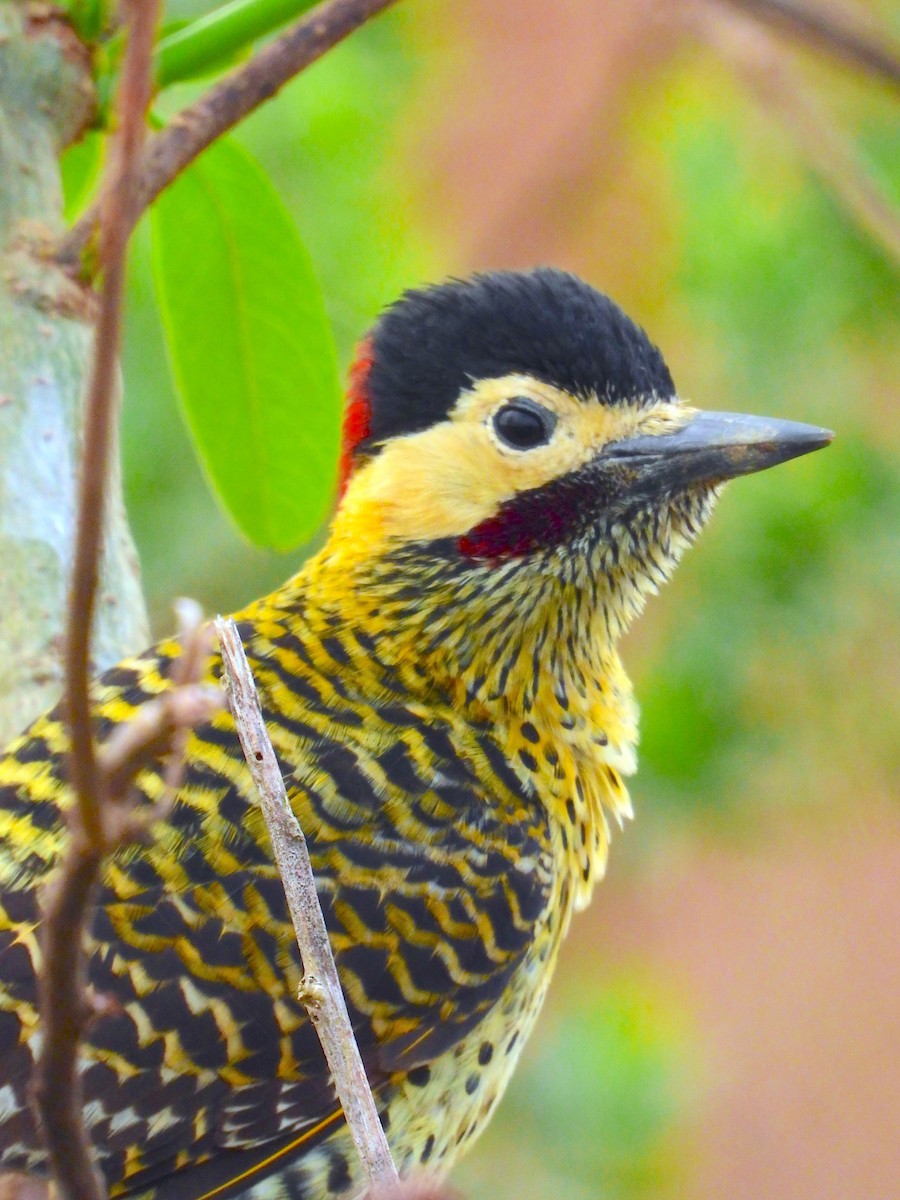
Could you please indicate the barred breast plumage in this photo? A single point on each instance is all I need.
(435, 870)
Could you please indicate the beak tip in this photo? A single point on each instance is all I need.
(780, 441)
(808, 437)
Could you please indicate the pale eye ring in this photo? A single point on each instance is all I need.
(523, 424)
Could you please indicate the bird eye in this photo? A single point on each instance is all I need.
(522, 424)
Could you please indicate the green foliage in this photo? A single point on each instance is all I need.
(361, 248)
(90, 18)
(81, 165)
(195, 48)
(594, 1102)
(328, 143)
(250, 345)
(752, 258)
(332, 147)
(792, 298)
(608, 1089)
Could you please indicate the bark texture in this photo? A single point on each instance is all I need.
(46, 329)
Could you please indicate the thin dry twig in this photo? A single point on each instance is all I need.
(227, 103)
(118, 212)
(66, 1007)
(16, 1186)
(320, 990)
(64, 1014)
(414, 1188)
(770, 72)
(160, 728)
(831, 29)
(61, 983)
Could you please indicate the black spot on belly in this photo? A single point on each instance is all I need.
(419, 1076)
(527, 759)
(472, 1084)
(338, 1174)
(485, 1053)
(294, 1183)
(427, 1149)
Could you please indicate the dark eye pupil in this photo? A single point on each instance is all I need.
(522, 424)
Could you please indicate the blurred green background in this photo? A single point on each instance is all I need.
(725, 1018)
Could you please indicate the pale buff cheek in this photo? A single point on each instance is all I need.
(434, 485)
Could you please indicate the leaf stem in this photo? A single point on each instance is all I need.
(834, 29)
(226, 103)
(212, 40)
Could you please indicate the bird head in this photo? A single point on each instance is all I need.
(518, 474)
(518, 434)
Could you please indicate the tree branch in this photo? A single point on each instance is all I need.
(160, 729)
(61, 984)
(64, 1013)
(118, 206)
(320, 990)
(769, 72)
(833, 30)
(227, 103)
(46, 337)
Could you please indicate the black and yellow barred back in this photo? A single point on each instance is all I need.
(453, 722)
(434, 869)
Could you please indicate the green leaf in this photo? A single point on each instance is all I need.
(219, 38)
(80, 166)
(250, 345)
(89, 17)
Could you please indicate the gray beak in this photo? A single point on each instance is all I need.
(711, 448)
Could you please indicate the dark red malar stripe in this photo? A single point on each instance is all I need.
(539, 519)
(502, 537)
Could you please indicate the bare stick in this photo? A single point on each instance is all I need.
(16, 1186)
(117, 218)
(62, 978)
(64, 1013)
(833, 30)
(320, 990)
(160, 729)
(228, 102)
(769, 71)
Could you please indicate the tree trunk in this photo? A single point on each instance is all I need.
(46, 329)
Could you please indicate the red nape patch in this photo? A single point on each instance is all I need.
(357, 413)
